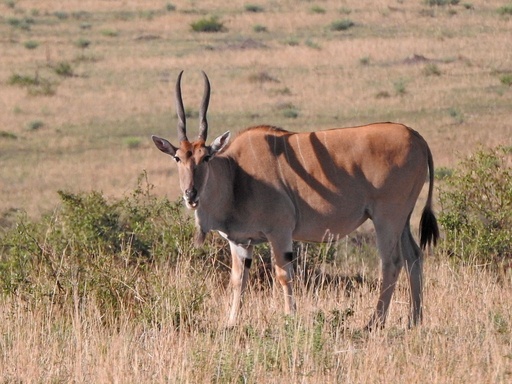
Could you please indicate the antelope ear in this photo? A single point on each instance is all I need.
(219, 143)
(164, 145)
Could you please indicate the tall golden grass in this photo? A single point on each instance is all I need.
(465, 337)
(95, 136)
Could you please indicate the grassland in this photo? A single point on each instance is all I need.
(83, 84)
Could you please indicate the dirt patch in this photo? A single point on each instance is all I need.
(244, 44)
(416, 59)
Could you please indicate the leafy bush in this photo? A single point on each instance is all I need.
(36, 85)
(31, 44)
(8, 135)
(288, 110)
(365, 61)
(441, 3)
(110, 32)
(23, 80)
(442, 173)
(24, 24)
(505, 9)
(476, 202)
(34, 125)
(258, 28)
(431, 69)
(253, 8)
(506, 79)
(64, 69)
(101, 248)
(211, 24)
(290, 113)
(83, 43)
(61, 15)
(132, 142)
(341, 25)
(400, 86)
(456, 115)
(317, 9)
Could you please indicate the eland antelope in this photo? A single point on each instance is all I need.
(271, 185)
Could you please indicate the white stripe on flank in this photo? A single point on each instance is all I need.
(254, 154)
(281, 174)
(302, 159)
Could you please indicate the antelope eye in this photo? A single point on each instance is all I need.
(177, 159)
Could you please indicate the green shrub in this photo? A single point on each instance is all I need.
(24, 24)
(132, 142)
(476, 203)
(210, 25)
(506, 79)
(64, 69)
(83, 43)
(253, 8)
(31, 44)
(441, 3)
(35, 84)
(23, 80)
(290, 113)
(101, 247)
(365, 61)
(292, 42)
(258, 28)
(35, 125)
(288, 110)
(456, 115)
(110, 33)
(7, 135)
(400, 86)
(147, 14)
(341, 25)
(505, 10)
(317, 9)
(382, 95)
(431, 69)
(61, 15)
(442, 173)
(312, 44)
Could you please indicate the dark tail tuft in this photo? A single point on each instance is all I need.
(429, 231)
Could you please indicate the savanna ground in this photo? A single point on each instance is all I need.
(85, 83)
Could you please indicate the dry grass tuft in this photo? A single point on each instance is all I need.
(466, 336)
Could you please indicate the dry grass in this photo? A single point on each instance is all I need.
(466, 336)
(121, 89)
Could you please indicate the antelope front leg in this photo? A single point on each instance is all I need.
(283, 257)
(241, 257)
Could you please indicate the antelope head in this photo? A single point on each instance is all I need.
(192, 157)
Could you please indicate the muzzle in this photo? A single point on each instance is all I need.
(191, 198)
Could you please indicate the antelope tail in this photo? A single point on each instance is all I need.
(429, 230)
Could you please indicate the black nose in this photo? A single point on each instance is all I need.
(191, 194)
